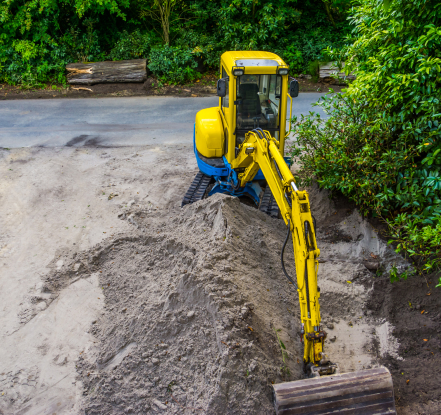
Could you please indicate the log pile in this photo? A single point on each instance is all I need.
(104, 72)
(331, 69)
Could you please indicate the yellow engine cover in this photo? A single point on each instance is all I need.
(209, 134)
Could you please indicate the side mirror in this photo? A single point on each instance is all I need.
(294, 88)
(221, 87)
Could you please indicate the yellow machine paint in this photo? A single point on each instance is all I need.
(263, 152)
(209, 134)
(214, 126)
(225, 126)
(243, 136)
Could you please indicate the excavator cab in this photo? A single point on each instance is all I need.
(239, 147)
(253, 91)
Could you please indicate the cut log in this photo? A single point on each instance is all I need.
(331, 69)
(365, 392)
(103, 72)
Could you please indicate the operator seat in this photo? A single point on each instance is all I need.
(250, 112)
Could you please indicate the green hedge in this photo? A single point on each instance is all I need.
(38, 38)
(381, 146)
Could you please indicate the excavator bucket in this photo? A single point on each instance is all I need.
(363, 392)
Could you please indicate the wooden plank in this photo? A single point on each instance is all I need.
(91, 73)
(331, 68)
(363, 392)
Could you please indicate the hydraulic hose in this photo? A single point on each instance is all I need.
(281, 257)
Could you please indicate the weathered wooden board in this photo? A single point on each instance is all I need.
(365, 392)
(103, 72)
(331, 68)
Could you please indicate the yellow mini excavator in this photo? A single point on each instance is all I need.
(239, 148)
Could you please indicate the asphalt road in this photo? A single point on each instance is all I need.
(109, 122)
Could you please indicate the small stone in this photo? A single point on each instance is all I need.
(41, 306)
(190, 314)
(330, 326)
(159, 404)
(333, 339)
(155, 361)
(253, 366)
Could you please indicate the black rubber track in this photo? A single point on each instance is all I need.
(268, 204)
(197, 189)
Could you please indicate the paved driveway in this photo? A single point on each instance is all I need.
(108, 122)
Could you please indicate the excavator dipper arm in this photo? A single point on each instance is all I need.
(295, 210)
(368, 391)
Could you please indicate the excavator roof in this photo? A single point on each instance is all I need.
(251, 58)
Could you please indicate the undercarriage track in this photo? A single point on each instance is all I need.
(197, 189)
(268, 204)
(201, 182)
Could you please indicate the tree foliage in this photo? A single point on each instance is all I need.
(381, 145)
(38, 37)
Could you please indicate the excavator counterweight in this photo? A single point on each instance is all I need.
(239, 148)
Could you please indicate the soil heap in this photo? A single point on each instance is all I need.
(196, 308)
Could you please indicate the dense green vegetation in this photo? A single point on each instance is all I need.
(381, 146)
(39, 37)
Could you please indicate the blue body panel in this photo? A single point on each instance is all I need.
(226, 178)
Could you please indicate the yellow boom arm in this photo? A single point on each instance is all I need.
(260, 150)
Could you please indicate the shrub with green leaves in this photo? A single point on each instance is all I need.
(173, 64)
(135, 45)
(38, 38)
(202, 46)
(381, 145)
(293, 57)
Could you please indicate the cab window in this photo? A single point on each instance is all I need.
(258, 99)
(226, 98)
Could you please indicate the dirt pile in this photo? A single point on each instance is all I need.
(412, 309)
(191, 303)
(193, 299)
(176, 308)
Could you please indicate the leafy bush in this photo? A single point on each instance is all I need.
(38, 38)
(344, 153)
(313, 44)
(294, 59)
(381, 145)
(247, 25)
(133, 45)
(414, 238)
(173, 64)
(202, 46)
(82, 45)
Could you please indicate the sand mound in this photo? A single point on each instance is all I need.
(192, 302)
